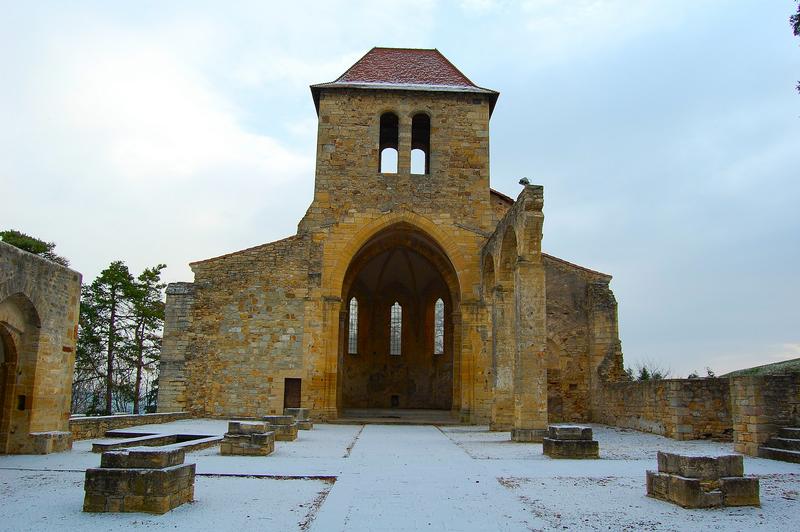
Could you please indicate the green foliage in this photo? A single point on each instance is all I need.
(119, 339)
(648, 371)
(32, 245)
(709, 374)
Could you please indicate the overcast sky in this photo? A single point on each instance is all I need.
(666, 134)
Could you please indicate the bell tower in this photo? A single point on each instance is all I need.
(402, 128)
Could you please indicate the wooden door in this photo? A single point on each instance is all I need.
(291, 393)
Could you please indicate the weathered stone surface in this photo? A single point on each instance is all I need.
(299, 414)
(686, 492)
(569, 432)
(760, 407)
(702, 481)
(683, 409)
(701, 467)
(246, 427)
(285, 432)
(119, 485)
(142, 458)
(39, 303)
(305, 425)
(740, 491)
(578, 449)
(50, 442)
(248, 444)
(89, 427)
(528, 435)
(279, 420)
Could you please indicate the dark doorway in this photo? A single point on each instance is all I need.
(391, 354)
(291, 393)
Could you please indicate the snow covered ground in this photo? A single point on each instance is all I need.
(401, 477)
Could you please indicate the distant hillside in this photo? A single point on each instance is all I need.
(778, 368)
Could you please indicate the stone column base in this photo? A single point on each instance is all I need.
(528, 435)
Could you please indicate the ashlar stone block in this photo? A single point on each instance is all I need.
(570, 441)
(279, 420)
(139, 480)
(702, 481)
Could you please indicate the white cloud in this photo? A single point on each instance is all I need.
(556, 32)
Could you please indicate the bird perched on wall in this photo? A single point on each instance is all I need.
(524, 181)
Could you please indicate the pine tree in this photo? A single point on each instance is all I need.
(106, 308)
(119, 339)
(147, 323)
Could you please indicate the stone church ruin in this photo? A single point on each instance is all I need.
(410, 283)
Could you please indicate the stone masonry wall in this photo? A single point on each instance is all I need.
(174, 347)
(246, 332)
(568, 338)
(39, 305)
(761, 405)
(683, 409)
(84, 428)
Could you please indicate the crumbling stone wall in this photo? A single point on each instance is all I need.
(571, 370)
(683, 409)
(39, 304)
(760, 406)
(88, 427)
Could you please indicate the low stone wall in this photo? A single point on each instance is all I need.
(683, 409)
(760, 406)
(84, 428)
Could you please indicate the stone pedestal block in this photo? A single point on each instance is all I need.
(246, 427)
(139, 480)
(247, 439)
(570, 441)
(51, 442)
(686, 492)
(702, 467)
(571, 448)
(569, 432)
(702, 481)
(301, 416)
(285, 432)
(284, 427)
(740, 491)
(279, 420)
(528, 435)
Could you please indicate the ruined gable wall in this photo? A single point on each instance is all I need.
(567, 343)
(583, 345)
(246, 331)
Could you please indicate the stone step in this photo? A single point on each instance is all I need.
(783, 443)
(779, 454)
(789, 432)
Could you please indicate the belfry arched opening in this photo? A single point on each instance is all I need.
(400, 304)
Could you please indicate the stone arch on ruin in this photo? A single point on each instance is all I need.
(19, 339)
(400, 263)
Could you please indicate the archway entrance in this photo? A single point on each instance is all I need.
(400, 308)
(7, 358)
(19, 326)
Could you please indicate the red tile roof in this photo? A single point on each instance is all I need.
(404, 69)
(405, 66)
